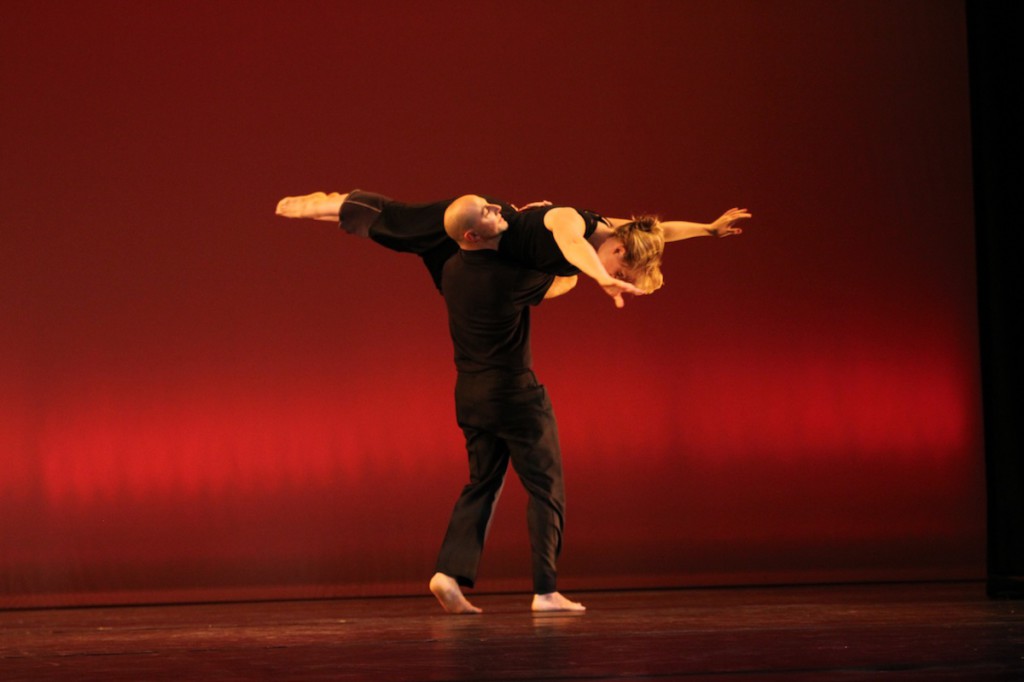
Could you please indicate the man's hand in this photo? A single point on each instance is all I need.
(726, 223)
(617, 287)
(532, 204)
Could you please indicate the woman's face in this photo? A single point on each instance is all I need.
(612, 255)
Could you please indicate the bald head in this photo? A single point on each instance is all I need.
(474, 222)
(462, 215)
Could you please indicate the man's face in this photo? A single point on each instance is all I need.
(489, 222)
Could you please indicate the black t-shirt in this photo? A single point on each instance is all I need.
(528, 242)
(488, 301)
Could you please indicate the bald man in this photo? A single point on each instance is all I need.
(503, 411)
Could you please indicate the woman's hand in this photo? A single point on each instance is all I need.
(726, 223)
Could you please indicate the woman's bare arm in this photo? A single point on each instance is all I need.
(677, 230)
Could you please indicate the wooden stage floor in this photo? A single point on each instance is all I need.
(946, 631)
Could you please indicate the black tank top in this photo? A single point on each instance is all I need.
(532, 245)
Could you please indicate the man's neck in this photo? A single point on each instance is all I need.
(489, 244)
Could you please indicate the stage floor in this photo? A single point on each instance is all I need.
(905, 631)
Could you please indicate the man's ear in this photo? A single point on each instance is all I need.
(471, 237)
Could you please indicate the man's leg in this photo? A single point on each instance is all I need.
(463, 545)
(537, 458)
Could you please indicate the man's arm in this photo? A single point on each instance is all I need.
(318, 206)
(560, 285)
(677, 230)
(567, 227)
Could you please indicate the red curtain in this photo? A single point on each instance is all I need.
(201, 400)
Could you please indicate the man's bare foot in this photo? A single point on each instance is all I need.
(554, 601)
(318, 205)
(448, 593)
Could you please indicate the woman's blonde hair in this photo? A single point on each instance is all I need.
(644, 240)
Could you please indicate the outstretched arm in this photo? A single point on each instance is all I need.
(567, 226)
(676, 230)
(318, 206)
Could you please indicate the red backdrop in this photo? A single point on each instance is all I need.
(201, 400)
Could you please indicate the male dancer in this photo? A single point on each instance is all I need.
(504, 413)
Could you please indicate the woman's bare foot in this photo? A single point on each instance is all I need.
(318, 206)
(448, 593)
(554, 601)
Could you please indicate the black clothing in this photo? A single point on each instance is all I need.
(529, 243)
(506, 418)
(504, 413)
(488, 310)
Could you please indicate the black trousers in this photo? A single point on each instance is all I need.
(506, 418)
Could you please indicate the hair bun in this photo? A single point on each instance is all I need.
(646, 223)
